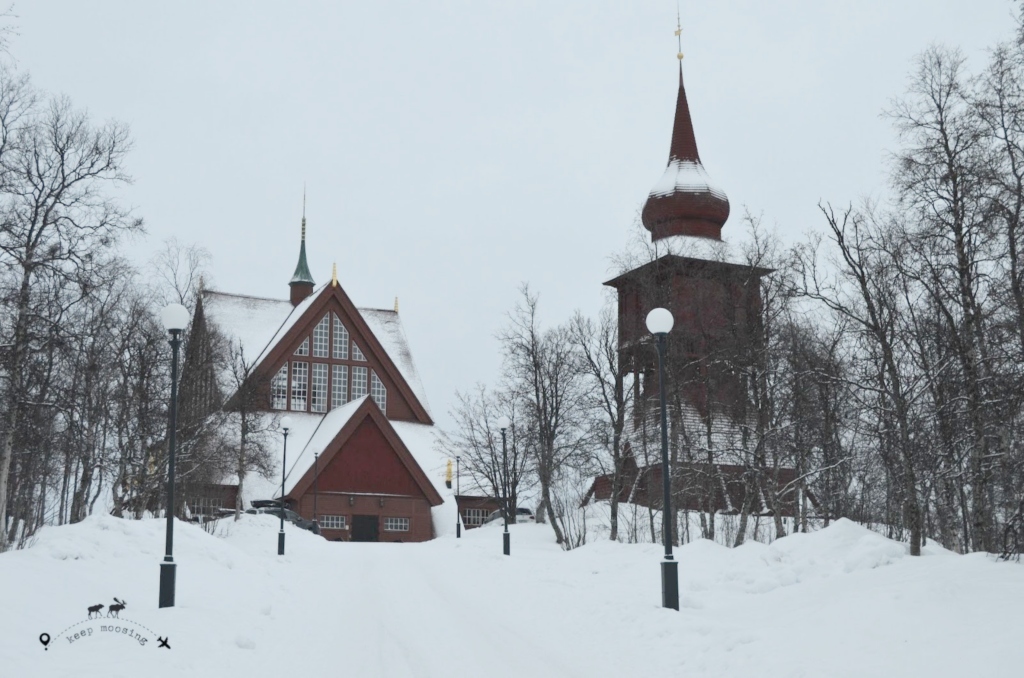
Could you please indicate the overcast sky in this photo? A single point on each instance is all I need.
(452, 150)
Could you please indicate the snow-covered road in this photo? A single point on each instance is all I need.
(841, 602)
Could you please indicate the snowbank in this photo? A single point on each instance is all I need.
(840, 602)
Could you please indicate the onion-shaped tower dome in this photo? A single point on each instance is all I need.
(685, 201)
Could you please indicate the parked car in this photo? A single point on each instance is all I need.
(273, 507)
(523, 515)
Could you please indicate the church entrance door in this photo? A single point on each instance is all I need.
(364, 528)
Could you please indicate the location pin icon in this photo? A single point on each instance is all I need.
(44, 638)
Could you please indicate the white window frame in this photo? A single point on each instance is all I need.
(333, 523)
(303, 348)
(300, 385)
(357, 354)
(340, 350)
(279, 389)
(339, 385)
(378, 392)
(318, 392)
(392, 524)
(322, 337)
(360, 381)
(475, 516)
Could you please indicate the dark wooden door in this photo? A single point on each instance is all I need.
(364, 528)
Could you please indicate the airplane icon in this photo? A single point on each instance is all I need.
(163, 642)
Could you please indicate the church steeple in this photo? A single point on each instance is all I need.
(302, 280)
(684, 201)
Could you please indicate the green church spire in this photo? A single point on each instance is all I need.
(302, 274)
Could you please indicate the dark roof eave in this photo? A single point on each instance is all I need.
(676, 261)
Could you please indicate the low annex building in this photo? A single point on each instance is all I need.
(361, 442)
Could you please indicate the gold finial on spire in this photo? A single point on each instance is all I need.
(679, 34)
(396, 304)
(303, 212)
(334, 274)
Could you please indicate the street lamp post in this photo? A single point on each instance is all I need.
(659, 323)
(286, 424)
(458, 488)
(503, 424)
(175, 318)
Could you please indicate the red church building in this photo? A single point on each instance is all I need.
(361, 438)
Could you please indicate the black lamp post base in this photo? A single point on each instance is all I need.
(458, 530)
(280, 543)
(670, 584)
(167, 575)
(507, 541)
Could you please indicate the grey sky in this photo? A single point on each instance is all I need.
(454, 149)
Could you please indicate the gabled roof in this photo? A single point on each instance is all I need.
(312, 433)
(260, 324)
(335, 429)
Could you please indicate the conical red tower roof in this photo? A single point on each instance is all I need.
(685, 201)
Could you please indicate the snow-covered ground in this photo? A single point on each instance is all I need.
(840, 602)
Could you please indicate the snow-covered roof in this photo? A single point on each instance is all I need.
(310, 434)
(259, 323)
(387, 327)
(686, 176)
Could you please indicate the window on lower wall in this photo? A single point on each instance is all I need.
(333, 523)
(475, 516)
(396, 524)
(206, 506)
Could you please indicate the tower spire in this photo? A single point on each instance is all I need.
(302, 280)
(684, 201)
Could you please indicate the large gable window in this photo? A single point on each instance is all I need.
(279, 389)
(327, 371)
(321, 335)
(318, 395)
(378, 392)
(299, 386)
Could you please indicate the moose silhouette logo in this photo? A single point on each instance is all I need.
(95, 626)
(113, 610)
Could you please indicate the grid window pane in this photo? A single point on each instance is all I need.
(356, 353)
(475, 516)
(304, 348)
(206, 506)
(279, 389)
(333, 522)
(378, 392)
(318, 395)
(396, 524)
(340, 340)
(339, 385)
(321, 335)
(359, 378)
(299, 385)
